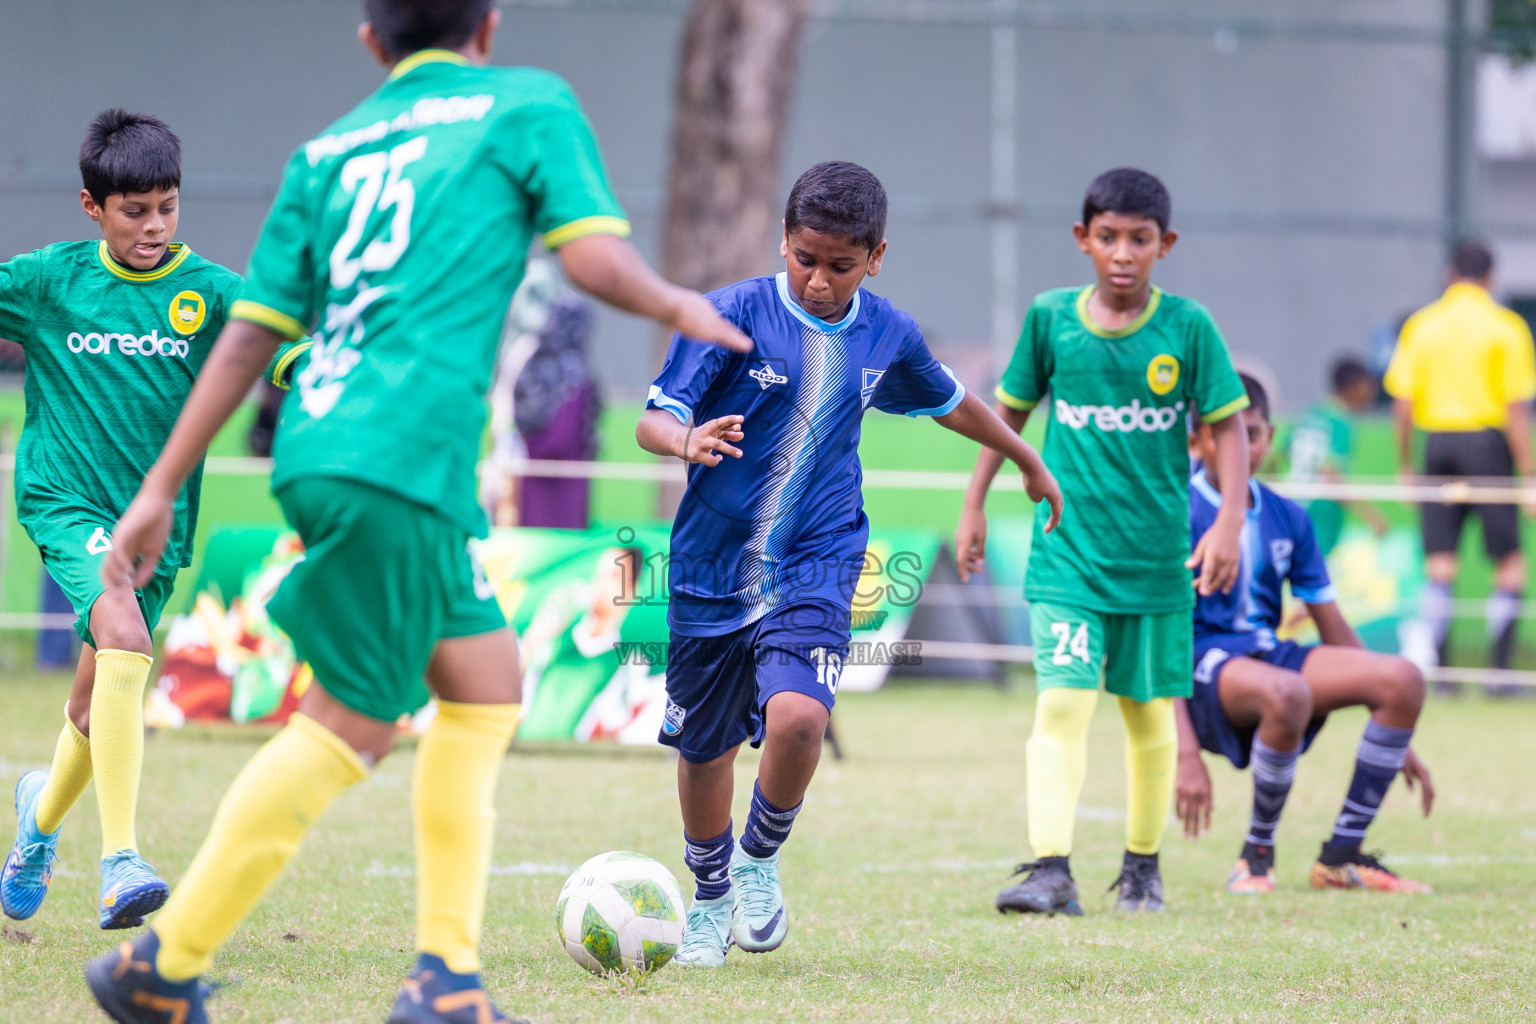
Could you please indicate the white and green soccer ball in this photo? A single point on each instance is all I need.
(621, 912)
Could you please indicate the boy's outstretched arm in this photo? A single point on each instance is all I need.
(661, 433)
(241, 354)
(611, 269)
(998, 434)
(1192, 782)
(1218, 554)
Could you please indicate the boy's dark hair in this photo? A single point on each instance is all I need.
(838, 198)
(1129, 191)
(1471, 260)
(1347, 372)
(406, 26)
(1258, 398)
(125, 152)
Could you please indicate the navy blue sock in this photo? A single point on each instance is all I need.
(710, 862)
(1377, 761)
(1273, 771)
(767, 826)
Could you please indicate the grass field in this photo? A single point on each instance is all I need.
(890, 878)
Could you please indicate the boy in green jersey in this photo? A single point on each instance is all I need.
(1322, 444)
(1109, 590)
(115, 330)
(398, 236)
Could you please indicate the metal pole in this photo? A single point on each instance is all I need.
(1460, 95)
(1003, 205)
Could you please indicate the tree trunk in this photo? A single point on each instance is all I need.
(733, 88)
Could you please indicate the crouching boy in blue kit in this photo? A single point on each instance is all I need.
(1260, 701)
(770, 535)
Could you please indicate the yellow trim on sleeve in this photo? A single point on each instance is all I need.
(583, 226)
(288, 359)
(1153, 301)
(116, 268)
(266, 316)
(420, 57)
(1011, 402)
(1217, 415)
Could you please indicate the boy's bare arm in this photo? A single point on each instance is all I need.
(1332, 629)
(1192, 782)
(971, 533)
(661, 433)
(611, 269)
(241, 355)
(1218, 554)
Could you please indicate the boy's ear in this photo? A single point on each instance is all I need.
(480, 42)
(873, 266)
(1169, 237)
(1080, 232)
(89, 205)
(784, 244)
(374, 45)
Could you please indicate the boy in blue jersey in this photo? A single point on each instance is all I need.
(769, 538)
(1260, 700)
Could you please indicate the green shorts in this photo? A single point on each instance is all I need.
(1142, 657)
(383, 579)
(73, 552)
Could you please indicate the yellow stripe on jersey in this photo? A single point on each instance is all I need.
(421, 57)
(583, 226)
(114, 267)
(1011, 402)
(1222, 412)
(280, 371)
(1153, 301)
(266, 316)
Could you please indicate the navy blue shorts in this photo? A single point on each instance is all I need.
(1216, 732)
(717, 686)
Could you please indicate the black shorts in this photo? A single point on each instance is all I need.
(1465, 455)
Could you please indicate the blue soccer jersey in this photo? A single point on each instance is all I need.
(1278, 546)
(785, 522)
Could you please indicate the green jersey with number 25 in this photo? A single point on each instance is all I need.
(1117, 443)
(398, 237)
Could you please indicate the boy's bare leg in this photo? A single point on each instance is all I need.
(795, 729)
(80, 693)
(705, 790)
(1343, 677)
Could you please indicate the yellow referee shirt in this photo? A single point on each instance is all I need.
(1462, 361)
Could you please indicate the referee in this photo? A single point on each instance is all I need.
(1464, 372)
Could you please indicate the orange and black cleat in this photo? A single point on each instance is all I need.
(1254, 871)
(131, 991)
(1351, 868)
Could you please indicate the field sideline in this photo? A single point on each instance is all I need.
(890, 877)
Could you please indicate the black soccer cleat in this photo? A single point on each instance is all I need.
(1049, 890)
(130, 989)
(1140, 882)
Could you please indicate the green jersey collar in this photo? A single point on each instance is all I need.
(180, 251)
(421, 57)
(1120, 332)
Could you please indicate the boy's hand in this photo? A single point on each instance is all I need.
(696, 317)
(708, 442)
(1415, 775)
(1040, 484)
(1218, 556)
(971, 542)
(1192, 796)
(138, 541)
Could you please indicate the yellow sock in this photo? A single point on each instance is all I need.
(257, 830)
(1055, 759)
(67, 778)
(117, 743)
(457, 764)
(1151, 749)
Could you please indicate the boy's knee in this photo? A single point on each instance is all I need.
(794, 718)
(117, 624)
(1288, 701)
(1405, 685)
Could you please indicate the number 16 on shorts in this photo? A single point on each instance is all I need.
(1069, 645)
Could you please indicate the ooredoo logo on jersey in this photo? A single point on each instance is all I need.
(101, 343)
(1123, 419)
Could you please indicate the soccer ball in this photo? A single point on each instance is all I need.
(620, 912)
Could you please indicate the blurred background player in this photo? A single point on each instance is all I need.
(1260, 700)
(1464, 373)
(404, 224)
(115, 329)
(1109, 593)
(768, 543)
(1322, 448)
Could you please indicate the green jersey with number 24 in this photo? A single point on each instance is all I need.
(398, 237)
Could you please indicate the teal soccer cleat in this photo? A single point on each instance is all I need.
(130, 889)
(29, 867)
(435, 995)
(130, 989)
(707, 935)
(758, 921)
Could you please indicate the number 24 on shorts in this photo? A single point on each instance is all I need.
(1071, 642)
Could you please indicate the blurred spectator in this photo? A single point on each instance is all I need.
(526, 316)
(1322, 445)
(555, 407)
(1465, 372)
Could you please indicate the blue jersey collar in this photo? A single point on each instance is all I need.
(1212, 495)
(815, 323)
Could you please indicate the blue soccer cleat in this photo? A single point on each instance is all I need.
(707, 935)
(129, 987)
(758, 921)
(29, 867)
(129, 890)
(435, 995)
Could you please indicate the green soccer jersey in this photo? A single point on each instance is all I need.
(1118, 445)
(398, 236)
(1322, 442)
(111, 355)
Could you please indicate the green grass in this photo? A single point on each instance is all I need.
(890, 879)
